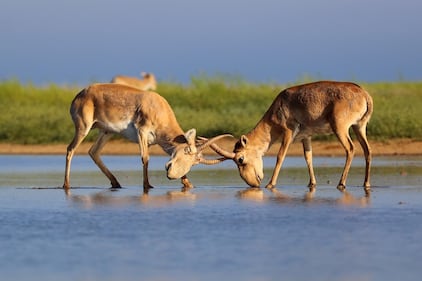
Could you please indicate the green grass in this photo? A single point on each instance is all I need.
(213, 105)
(397, 110)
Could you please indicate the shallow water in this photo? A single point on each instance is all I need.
(214, 232)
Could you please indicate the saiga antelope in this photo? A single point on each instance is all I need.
(147, 82)
(298, 113)
(141, 117)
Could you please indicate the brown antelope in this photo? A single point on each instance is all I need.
(298, 113)
(141, 117)
(147, 82)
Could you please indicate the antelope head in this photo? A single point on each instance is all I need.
(189, 153)
(247, 158)
(149, 77)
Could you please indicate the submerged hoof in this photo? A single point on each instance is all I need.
(312, 186)
(270, 186)
(341, 187)
(147, 188)
(186, 188)
(367, 190)
(115, 185)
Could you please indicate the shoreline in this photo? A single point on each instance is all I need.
(320, 148)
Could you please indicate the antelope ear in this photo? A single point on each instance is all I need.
(244, 140)
(143, 74)
(191, 136)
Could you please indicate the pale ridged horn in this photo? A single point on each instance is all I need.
(222, 152)
(212, 161)
(210, 141)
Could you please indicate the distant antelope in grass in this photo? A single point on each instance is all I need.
(141, 117)
(147, 82)
(298, 113)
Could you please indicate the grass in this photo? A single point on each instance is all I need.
(397, 110)
(213, 105)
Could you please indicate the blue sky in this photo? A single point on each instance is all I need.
(80, 41)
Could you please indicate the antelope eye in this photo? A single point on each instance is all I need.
(241, 159)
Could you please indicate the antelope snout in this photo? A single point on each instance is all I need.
(171, 174)
(168, 165)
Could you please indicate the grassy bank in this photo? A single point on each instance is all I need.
(35, 115)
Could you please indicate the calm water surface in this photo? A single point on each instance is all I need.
(212, 233)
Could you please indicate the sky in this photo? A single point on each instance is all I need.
(81, 41)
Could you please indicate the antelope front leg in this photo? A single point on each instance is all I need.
(187, 185)
(143, 146)
(287, 139)
(146, 184)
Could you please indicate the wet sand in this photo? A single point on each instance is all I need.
(320, 148)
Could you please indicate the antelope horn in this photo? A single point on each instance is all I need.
(222, 152)
(212, 161)
(200, 141)
(208, 142)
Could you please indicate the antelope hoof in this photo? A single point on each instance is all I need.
(147, 188)
(188, 185)
(270, 186)
(367, 190)
(186, 188)
(312, 186)
(341, 187)
(115, 185)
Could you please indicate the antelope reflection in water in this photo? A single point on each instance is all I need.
(107, 198)
(346, 199)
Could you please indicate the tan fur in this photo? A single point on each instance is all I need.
(298, 113)
(147, 82)
(142, 117)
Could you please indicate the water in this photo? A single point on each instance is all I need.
(95, 233)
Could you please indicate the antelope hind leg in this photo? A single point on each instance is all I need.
(95, 151)
(307, 151)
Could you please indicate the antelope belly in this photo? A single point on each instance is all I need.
(123, 128)
(316, 129)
